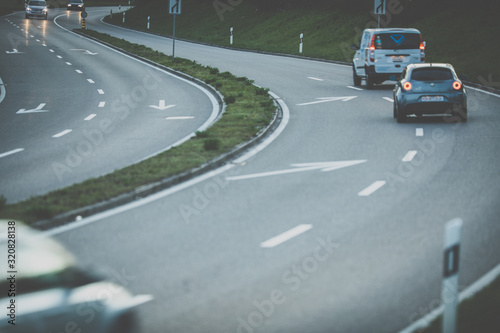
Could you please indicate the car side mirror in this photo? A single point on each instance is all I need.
(354, 47)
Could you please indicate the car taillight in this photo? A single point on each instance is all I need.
(422, 49)
(407, 86)
(372, 49)
(457, 85)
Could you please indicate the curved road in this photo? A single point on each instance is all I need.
(359, 246)
(74, 109)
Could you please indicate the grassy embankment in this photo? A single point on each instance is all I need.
(249, 109)
(459, 32)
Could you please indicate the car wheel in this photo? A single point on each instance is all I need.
(395, 112)
(369, 81)
(400, 116)
(355, 77)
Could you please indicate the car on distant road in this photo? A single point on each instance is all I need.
(36, 8)
(383, 54)
(430, 88)
(76, 5)
(45, 291)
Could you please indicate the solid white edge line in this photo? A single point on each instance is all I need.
(315, 78)
(286, 236)
(15, 151)
(372, 188)
(179, 118)
(483, 91)
(409, 156)
(3, 91)
(470, 291)
(388, 99)
(58, 135)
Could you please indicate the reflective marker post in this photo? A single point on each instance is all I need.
(449, 295)
(123, 17)
(149, 18)
(84, 16)
(301, 43)
(231, 36)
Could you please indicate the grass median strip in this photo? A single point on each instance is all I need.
(249, 109)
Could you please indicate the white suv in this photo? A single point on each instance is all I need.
(384, 53)
(36, 8)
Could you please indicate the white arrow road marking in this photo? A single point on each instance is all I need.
(14, 51)
(18, 150)
(372, 188)
(329, 99)
(162, 105)
(287, 235)
(58, 135)
(324, 166)
(84, 51)
(38, 109)
(315, 78)
(90, 117)
(355, 88)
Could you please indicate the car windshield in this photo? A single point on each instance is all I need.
(431, 74)
(76, 1)
(37, 3)
(397, 41)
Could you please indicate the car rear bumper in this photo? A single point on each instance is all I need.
(413, 104)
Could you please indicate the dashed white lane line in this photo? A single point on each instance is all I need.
(51, 50)
(78, 71)
(100, 91)
(44, 44)
(315, 78)
(58, 135)
(419, 132)
(388, 99)
(90, 117)
(286, 236)
(409, 156)
(15, 151)
(90, 81)
(372, 188)
(179, 118)
(68, 63)
(355, 88)
(37, 40)
(59, 57)
(102, 104)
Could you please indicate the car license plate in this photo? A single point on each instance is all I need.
(398, 58)
(432, 98)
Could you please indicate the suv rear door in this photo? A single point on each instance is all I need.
(395, 50)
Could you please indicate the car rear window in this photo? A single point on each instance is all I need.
(37, 3)
(431, 74)
(397, 41)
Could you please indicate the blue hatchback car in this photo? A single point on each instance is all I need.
(430, 89)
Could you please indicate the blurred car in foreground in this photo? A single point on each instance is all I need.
(36, 8)
(430, 89)
(44, 291)
(76, 5)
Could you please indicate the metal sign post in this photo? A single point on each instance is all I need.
(174, 9)
(84, 16)
(453, 233)
(379, 9)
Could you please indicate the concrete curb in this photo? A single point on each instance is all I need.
(155, 187)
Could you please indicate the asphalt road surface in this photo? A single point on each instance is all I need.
(279, 243)
(73, 109)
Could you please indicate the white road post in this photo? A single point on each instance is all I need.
(449, 295)
(149, 19)
(301, 42)
(123, 17)
(231, 36)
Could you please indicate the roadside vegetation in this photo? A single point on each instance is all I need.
(249, 109)
(460, 32)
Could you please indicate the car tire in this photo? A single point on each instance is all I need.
(400, 116)
(355, 77)
(395, 112)
(369, 81)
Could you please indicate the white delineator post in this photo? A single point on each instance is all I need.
(231, 36)
(149, 19)
(123, 17)
(449, 295)
(301, 43)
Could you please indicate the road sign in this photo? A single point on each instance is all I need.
(175, 7)
(84, 14)
(380, 7)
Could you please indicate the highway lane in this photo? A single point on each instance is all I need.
(369, 263)
(74, 109)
